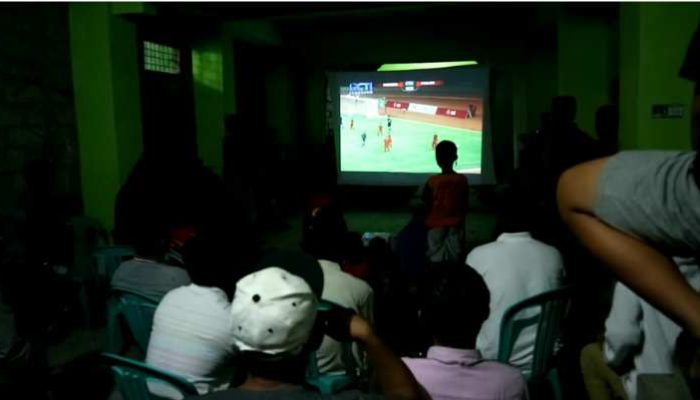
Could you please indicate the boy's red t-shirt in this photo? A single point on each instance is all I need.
(449, 197)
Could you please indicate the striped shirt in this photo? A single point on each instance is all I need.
(192, 337)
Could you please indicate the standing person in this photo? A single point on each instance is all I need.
(435, 141)
(389, 142)
(380, 130)
(364, 138)
(638, 340)
(275, 328)
(453, 369)
(636, 209)
(388, 124)
(447, 197)
(352, 123)
(515, 267)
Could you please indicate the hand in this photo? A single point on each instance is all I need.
(360, 329)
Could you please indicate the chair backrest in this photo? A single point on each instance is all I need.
(132, 378)
(138, 312)
(331, 383)
(553, 306)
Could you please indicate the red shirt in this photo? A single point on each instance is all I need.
(448, 201)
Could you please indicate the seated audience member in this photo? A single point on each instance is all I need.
(447, 197)
(514, 267)
(412, 246)
(322, 239)
(353, 259)
(146, 274)
(453, 369)
(638, 340)
(636, 209)
(191, 334)
(274, 325)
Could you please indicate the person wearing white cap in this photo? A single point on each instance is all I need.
(275, 326)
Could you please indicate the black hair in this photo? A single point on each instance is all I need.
(285, 368)
(445, 153)
(515, 216)
(323, 232)
(207, 259)
(456, 304)
(353, 250)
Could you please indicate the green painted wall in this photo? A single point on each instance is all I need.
(655, 38)
(208, 78)
(214, 83)
(587, 63)
(106, 84)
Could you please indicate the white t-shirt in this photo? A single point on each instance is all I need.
(636, 329)
(192, 337)
(514, 267)
(350, 292)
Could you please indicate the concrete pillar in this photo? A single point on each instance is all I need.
(104, 53)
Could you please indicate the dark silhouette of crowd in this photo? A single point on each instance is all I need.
(423, 313)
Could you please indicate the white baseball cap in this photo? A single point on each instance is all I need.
(273, 312)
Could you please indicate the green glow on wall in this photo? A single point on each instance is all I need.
(207, 68)
(429, 65)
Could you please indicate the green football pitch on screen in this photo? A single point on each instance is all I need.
(411, 149)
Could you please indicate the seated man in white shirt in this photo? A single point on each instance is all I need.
(191, 334)
(323, 237)
(146, 274)
(515, 267)
(639, 339)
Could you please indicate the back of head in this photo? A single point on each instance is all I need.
(352, 248)
(515, 216)
(456, 306)
(446, 154)
(206, 258)
(323, 232)
(274, 314)
(563, 109)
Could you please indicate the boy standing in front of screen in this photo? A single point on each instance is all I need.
(447, 197)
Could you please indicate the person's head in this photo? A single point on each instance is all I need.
(207, 258)
(606, 126)
(323, 231)
(353, 250)
(564, 110)
(446, 154)
(456, 305)
(151, 241)
(274, 313)
(515, 216)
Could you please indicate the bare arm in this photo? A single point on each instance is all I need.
(646, 270)
(395, 379)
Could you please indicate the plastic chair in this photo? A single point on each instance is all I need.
(331, 383)
(132, 378)
(553, 306)
(138, 313)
